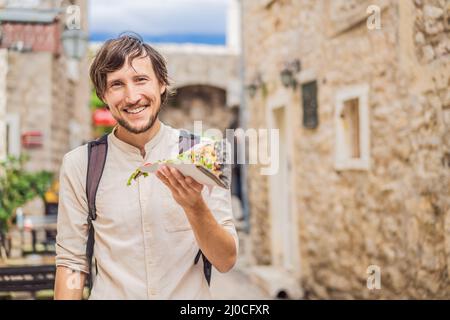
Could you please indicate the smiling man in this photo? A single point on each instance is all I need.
(146, 235)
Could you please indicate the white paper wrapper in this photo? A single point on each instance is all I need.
(198, 173)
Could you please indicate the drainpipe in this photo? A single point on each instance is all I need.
(243, 119)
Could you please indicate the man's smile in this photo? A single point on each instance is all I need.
(136, 110)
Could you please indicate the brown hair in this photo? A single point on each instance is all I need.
(113, 54)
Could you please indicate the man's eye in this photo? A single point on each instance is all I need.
(117, 84)
(142, 79)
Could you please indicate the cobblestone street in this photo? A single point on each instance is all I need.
(236, 284)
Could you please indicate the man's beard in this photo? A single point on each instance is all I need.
(151, 121)
(123, 123)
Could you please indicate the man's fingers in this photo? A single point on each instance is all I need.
(194, 184)
(166, 181)
(163, 178)
(172, 179)
(180, 178)
(178, 181)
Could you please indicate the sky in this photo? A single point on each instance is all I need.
(197, 21)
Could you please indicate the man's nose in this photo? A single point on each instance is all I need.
(132, 95)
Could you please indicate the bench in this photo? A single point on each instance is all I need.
(27, 278)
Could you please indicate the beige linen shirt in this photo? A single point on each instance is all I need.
(144, 244)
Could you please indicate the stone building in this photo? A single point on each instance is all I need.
(359, 91)
(3, 71)
(47, 100)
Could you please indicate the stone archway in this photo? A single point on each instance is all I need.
(198, 103)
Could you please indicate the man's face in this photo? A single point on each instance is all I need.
(133, 94)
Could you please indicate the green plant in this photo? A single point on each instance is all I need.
(18, 186)
(96, 103)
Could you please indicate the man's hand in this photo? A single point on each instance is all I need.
(214, 241)
(186, 191)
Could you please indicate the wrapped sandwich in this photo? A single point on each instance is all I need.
(204, 162)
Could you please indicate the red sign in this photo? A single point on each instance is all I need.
(32, 139)
(102, 117)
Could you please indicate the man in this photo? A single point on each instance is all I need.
(147, 234)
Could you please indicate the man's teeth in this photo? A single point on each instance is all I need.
(137, 110)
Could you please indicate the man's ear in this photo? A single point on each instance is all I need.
(162, 89)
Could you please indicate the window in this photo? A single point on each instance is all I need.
(350, 120)
(352, 129)
(309, 97)
(13, 135)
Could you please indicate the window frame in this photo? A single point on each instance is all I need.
(342, 161)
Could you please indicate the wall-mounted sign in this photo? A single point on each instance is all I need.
(32, 139)
(309, 95)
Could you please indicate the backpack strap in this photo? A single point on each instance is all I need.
(97, 152)
(186, 141)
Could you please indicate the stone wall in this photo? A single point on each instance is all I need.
(29, 95)
(394, 215)
(47, 101)
(432, 29)
(62, 94)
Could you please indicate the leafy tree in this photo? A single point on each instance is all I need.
(18, 186)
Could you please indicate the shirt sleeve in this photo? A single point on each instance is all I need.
(72, 228)
(219, 202)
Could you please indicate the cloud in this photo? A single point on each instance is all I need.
(157, 17)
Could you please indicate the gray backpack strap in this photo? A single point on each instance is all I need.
(186, 141)
(97, 152)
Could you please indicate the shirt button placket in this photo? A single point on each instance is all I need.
(143, 200)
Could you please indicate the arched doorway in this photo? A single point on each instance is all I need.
(198, 103)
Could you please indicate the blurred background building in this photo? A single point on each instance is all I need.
(3, 71)
(364, 113)
(46, 99)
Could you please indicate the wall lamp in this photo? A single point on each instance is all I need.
(288, 73)
(255, 85)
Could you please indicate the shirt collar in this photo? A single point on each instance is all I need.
(132, 149)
